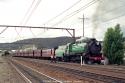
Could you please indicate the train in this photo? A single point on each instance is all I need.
(88, 48)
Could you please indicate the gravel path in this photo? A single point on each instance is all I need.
(7, 73)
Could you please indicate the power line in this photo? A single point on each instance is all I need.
(63, 12)
(110, 11)
(76, 12)
(21, 23)
(30, 13)
(115, 18)
(28, 18)
(35, 7)
(27, 12)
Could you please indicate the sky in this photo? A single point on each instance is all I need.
(57, 13)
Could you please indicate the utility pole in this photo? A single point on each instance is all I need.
(83, 25)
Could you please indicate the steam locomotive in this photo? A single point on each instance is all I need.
(88, 48)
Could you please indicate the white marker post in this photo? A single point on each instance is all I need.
(81, 61)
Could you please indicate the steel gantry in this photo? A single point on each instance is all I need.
(67, 29)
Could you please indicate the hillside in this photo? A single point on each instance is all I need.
(39, 42)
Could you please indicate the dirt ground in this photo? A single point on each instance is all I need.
(7, 73)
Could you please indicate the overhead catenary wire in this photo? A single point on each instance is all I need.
(73, 13)
(28, 18)
(29, 13)
(116, 17)
(76, 12)
(76, 3)
(112, 18)
(109, 11)
(32, 11)
(21, 23)
(57, 15)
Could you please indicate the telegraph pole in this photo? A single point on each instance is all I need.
(83, 25)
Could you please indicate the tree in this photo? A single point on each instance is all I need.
(113, 47)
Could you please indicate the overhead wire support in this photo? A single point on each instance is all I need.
(3, 30)
(17, 32)
(35, 27)
(67, 29)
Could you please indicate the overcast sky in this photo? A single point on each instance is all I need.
(41, 13)
(66, 14)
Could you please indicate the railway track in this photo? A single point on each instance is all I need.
(103, 78)
(92, 75)
(31, 75)
(115, 69)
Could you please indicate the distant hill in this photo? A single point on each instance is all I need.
(39, 42)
